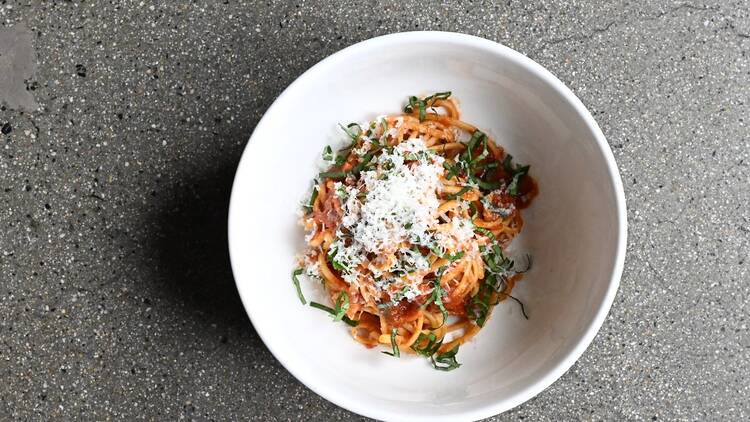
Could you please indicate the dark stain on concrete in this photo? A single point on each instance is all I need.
(17, 64)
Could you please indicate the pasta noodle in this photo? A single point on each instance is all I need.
(408, 228)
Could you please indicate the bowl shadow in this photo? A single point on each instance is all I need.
(192, 250)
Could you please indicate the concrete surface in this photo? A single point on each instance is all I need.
(116, 297)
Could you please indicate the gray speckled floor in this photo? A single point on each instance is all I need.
(116, 297)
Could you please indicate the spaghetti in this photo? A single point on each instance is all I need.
(408, 228)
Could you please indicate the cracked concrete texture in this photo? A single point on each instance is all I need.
(116, 298)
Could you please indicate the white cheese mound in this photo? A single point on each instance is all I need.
(400, 204)
(403, 206)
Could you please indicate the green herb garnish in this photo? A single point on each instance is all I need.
(453, 170)
(437, 294)
(313, 196)
(345, 319)
(336, 265)
(517, 173)
(446, 361)
(476, 137)
(328, 153)
(488, 186)
(396, 353)
(342, 155)
(437, 96)
(362, 164)
(514, 184)
(384, 126)
(495, 282)
(430, 348)
(332, 175)
(342, 305)
(485, 232)
(422, 105)
(295, 280)
(474, 211)
(508, 163)
(455, 257)
(518, 301)
(353, 130)
(416, 104)
(459, 193)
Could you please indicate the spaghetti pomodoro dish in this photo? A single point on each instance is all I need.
(408, 228)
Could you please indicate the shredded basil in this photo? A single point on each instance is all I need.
(416, 104)
(474, 211)
(328, 153)
(488, 186)
(362, 164)
(446, 361)
(325, 308)
(518, 301)
(430, 348)
(295, 280)
(437, 294)
(384, 126)
(353, 130)
(508, 163)
(342, 156)
(514, 184)
(485, 232)
(476, 137)
(459, 193)
(479, 308)
(495, 282)
(453, 170)
(396, 352)
(336, 265)
(421, 105)
(332, 175)
(437, 96)
(477, 171)
(455, 257)
(517, 174)
(342, 305)
(313, 196)
(438, 250)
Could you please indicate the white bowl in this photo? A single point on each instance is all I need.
(575, 229)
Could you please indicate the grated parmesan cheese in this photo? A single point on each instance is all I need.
(400, 205)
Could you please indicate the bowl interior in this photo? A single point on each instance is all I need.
(573, 230)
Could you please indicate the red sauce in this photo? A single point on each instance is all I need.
(401, 313)
(330, 212)
(527, 191)
(454, 305)
(499, 199)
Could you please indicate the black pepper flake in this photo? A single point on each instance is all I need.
(81, 70)
(7, 128)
